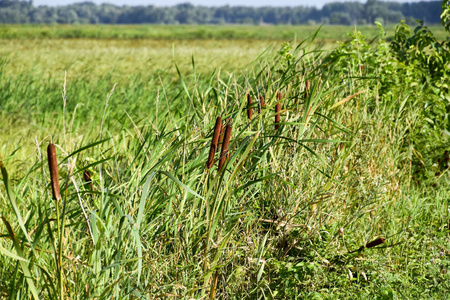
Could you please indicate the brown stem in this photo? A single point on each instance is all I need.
(212, 294)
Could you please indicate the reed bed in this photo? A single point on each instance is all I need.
(280, 217)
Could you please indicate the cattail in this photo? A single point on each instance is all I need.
(226, 142)
(306, 88)
(88, 179)
(249, 107)
(279, 96)
(53, 165)
(277, 111)
(261, 104)
(222, 130)
(377, 242)
(214, 142)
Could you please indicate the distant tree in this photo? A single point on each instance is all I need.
(17, 11)
(340, 18)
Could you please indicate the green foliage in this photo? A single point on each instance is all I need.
(426, 63)
(281, 220)
(16, 11)
(445, 16)
(414, 63)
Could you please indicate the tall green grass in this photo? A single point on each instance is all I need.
(279, 220)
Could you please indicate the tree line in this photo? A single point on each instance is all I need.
(344, 13)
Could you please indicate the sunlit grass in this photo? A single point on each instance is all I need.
(278, 221)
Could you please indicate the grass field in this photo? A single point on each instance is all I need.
(358, 156)
(186, 32)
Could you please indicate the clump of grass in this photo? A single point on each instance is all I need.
(267, 226)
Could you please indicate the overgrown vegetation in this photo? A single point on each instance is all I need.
(347, 197)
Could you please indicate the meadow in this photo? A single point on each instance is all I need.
(334, 185)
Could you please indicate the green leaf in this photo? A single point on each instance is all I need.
(181, 184)
(23, 262)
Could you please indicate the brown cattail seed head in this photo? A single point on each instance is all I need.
(377, 242)
(279, 96)
(261, 104)
(214, 143)
(277, 116)
(226, 142)
(249, 107)
(53, 166)
(87, 178)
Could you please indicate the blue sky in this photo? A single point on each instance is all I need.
(318, 3)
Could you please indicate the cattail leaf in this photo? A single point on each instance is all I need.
(347, 99)
(182, 82)
(11, 255)
(84, 148)
(94, 227)
(321, 141)
(23, 263)
(250, 183)
(12, 200)
(137, 238)
(92, 165)
(181, 184)
(143, 198)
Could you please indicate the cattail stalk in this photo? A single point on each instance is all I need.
(53, 165)
(277, 111)
(226, 142)
(249, 107)
(214, 143)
